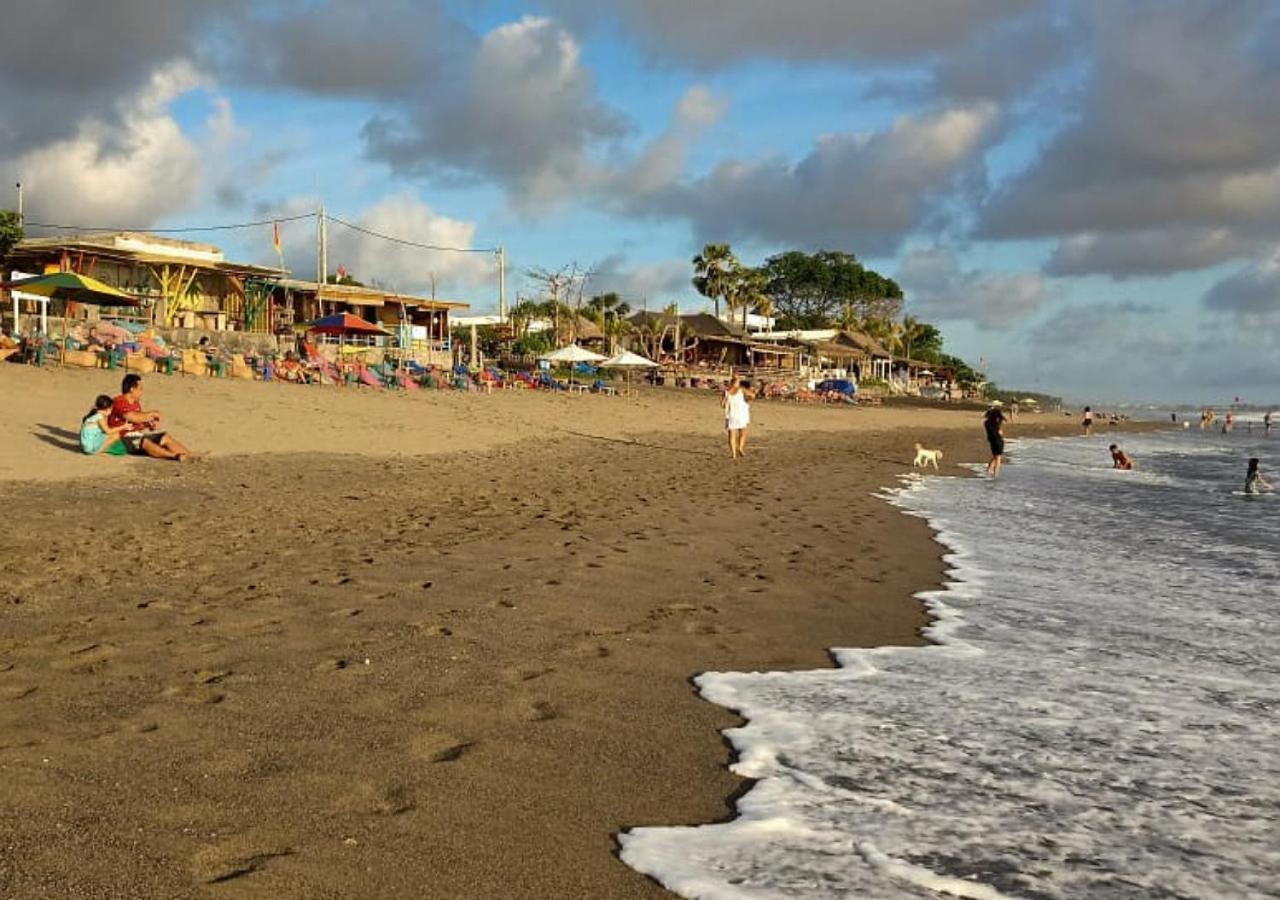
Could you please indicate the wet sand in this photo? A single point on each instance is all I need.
(451, 659)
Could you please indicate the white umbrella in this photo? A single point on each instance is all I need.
(571, 354)
(627, 361)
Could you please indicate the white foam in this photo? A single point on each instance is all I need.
(1097, 718)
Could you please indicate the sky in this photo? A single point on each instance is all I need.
(1084, 196)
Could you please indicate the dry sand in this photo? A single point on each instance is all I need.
(432, 645)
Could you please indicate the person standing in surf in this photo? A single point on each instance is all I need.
(993, 424)
(1266, 423)
(1087, 422)
(737, 417)
(1254, 483)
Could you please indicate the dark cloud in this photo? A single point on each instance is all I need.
(1252, 291)
(708, 33)
(391, 49)
(939, 289)
(1150, 252)
(866, 192)
(1175, 128)
(64, 60)
(525, 115)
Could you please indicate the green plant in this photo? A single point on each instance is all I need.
(10, 232)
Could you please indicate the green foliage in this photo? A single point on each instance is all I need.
(10, 232)
(534, 342)
(964, 372)
(713, 270)
(345, 280)
(487, 340)
(815, 290)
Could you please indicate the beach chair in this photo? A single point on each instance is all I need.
(194, 362)
(367, 377)
(240, 368)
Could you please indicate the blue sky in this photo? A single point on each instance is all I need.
(1084, 195)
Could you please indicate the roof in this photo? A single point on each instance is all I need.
(707, 325)
(367, 296)
(863, 342)
(128, 246)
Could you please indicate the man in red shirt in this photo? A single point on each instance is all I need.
(143, 436)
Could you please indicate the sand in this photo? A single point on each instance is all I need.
(431, 645)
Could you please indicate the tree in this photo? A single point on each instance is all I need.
(10, 232)
(815, 290)
(609, 312)
(713, 272)
(746, 291)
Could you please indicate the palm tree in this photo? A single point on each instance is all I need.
(747, 291)
(912, 330)
(713, 272)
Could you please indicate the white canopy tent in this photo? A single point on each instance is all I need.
(19, 296)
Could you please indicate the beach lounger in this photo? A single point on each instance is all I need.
(372, 380)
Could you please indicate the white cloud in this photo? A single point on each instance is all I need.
(129, 172)
(410, 269)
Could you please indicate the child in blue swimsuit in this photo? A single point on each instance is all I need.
(95, 436)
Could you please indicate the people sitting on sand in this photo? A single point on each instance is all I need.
(142, 435)
(290, 369)
(1254, 483)
(96, 435)
(1120, 459)
(993, 424)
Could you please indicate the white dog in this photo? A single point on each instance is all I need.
(924, 457)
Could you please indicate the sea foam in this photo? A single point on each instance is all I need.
(1095, 718)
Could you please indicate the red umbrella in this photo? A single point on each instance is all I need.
(344, 324)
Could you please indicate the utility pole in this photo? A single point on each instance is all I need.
(502, 284)
(19, 187)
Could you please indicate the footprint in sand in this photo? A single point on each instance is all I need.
(233, 859)
(440, 747)
(541, 711)
(434, 629)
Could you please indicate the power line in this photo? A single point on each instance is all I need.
(182, 230)
(396, 240)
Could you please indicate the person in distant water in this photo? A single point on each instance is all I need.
(1173, 417)
(1254, 483)
(1266, 423)
(1087, 422)
(96, 436)
(1229, 422)
(737, 417)
(993, 424)
(1120, 459)
(142, 435)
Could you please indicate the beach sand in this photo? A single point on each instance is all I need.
(415, 646)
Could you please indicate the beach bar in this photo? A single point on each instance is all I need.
(182, 284)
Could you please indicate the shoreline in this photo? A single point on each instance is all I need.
(533, 615)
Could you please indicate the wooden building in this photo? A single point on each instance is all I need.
(182, 284)
(418, 324)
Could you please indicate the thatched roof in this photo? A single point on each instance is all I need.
(864, 342)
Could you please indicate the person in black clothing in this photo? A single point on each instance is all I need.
(994, 425)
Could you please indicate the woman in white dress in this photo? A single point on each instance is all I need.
(737, 417)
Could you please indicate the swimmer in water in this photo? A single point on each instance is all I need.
(1254, 483)
(1120, 459)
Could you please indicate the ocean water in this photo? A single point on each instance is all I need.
(1098, 718)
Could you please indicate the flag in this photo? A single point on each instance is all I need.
(275, 239)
